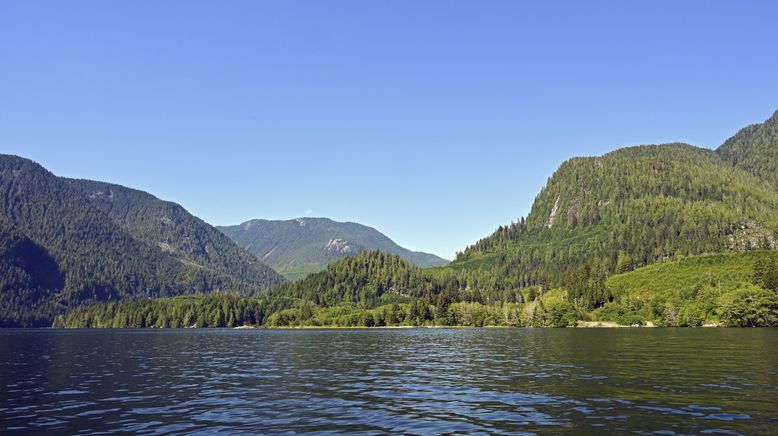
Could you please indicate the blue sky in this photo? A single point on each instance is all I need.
(433, 121)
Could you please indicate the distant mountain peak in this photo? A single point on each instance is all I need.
(303, 245)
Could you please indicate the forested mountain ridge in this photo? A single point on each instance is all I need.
(170, 227)
(755, 149)
(377, 289)
(369, 289)
(86, 256)
(628, 208)
(301, 246)
(622, 237)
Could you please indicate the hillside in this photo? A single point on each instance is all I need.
(755, 150)
(63, 251)
(175, 231)
(729, 288)
(376, 289)
(629, 208)
(369, 289)
(725, 271)
(302, 246)
(669, 234)
(29, 276)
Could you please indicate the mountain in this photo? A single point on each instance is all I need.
(755, 150)
(175, 231)
(301, 246)
(59, 249)
(669, 234)
(377, 289)
(629, 208)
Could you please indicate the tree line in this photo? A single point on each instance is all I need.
(375, 289)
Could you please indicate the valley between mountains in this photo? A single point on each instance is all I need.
(665, 235)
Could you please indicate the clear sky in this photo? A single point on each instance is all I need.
(433, 121)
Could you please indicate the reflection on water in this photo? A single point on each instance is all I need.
(406, 381)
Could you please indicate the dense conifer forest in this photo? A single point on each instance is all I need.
(175, 231)
(666, 235)
(60, 251)
(628, 209)
(754, 150)
(374, 289)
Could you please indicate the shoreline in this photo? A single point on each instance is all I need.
(579, 325)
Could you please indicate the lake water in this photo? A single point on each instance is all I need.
(582, 381)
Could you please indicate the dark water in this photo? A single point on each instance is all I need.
(406, 381)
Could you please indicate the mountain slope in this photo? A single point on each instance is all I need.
(628, 208)
(170, 227)
(301, 246)
(28, 277)
(86, 255)
(734, 289)
(612, 238)
(755, 150)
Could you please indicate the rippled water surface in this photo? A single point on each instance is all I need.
(407, 381)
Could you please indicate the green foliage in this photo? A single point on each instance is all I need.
(560, 314)
(298, 247)
(586, 286)
(169, 226)
(622, 314)
(364, 280)
(552, 309)
(712, 289)
(755, 149)
(750, 307)
(478, 315)
(371, 289)
(724, 271)
(766, 272)
(641, 215)
(59, 250)
(374, 289)
(629, 208)
(205, 310)
(28, 279)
